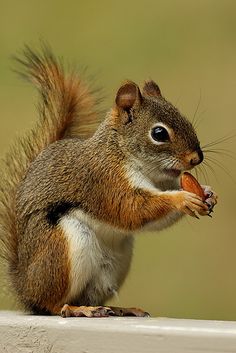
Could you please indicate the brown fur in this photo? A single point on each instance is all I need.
(53, 173)
(42, 276)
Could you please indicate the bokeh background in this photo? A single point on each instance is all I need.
(189, 48)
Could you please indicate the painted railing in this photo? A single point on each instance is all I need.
(43, 334)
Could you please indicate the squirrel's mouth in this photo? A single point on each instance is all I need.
(174, 173)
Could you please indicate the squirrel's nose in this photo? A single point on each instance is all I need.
(196, 157)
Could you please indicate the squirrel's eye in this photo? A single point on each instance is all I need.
(160, 134)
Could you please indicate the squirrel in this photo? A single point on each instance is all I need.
(70, 203)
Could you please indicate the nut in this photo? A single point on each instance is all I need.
(190, 184)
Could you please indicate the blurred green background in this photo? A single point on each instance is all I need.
(189, 48)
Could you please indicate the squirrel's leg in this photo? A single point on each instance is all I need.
(42, 277)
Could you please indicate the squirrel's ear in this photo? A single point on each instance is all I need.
(128, 96)
(150, 88)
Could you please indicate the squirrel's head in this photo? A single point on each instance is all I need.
(153, 131)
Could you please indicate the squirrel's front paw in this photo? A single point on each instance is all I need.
(190, 203)
(210, 197)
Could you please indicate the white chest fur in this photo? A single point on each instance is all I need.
(99, 257)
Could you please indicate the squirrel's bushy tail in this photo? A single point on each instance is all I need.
(66, 109)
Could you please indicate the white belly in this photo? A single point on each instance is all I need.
(99, 258)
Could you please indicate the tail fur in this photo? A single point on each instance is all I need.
(66, 109)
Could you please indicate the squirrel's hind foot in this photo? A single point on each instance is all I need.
(87, 311)
(129, 312)
(100, 311)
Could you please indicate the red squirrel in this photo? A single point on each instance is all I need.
(70, 204)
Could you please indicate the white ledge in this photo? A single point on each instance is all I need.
(40, 334)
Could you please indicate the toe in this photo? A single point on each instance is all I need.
(65, 311)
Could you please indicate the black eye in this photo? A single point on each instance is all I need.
(160, 134)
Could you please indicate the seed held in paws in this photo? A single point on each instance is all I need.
(190, 184)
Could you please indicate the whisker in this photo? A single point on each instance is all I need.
(200, 118)
(195, 171)
(169, 163)
(178, 100)
(215, 160)
(194, 121)
(151, 168)
(219, 140)
(221, 166)
(204, 174)
(211, 170)
(221, 151)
